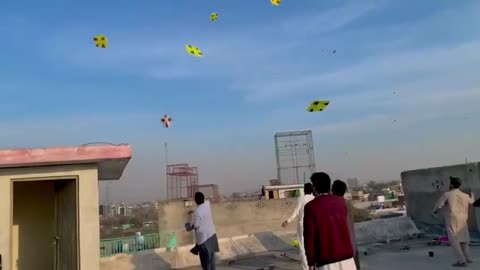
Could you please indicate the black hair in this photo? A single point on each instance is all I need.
(455, 182)
(199, 198)
(339, 188)
(321, 182)
(308, 188)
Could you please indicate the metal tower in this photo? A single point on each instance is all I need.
(295, 156)
(182, 181)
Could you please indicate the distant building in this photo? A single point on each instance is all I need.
(210, 191)
(124, 210)
(110, 210)
(396, 189)
(147, 205)
(283, 191)
(105, 210)
(121, 210)
(113, 210)
(359, 196)
(274, 182)
(352, 182)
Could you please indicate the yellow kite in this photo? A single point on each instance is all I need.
(193, 50)
(276, 2)
(213, 16)
(318, 105)
(100, 41)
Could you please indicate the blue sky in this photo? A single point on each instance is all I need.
(262, 66)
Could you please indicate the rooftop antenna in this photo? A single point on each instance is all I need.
(107, 192)
(166, 154)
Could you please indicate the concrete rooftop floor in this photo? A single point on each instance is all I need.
(380, 257)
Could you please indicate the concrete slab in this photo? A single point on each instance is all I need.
(383, 230)
(233, 249)
(111, 159)
(416, 258)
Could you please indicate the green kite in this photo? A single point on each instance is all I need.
(318, 105)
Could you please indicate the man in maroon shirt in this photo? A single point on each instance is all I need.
(325, 229)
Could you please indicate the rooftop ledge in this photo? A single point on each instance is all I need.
(111, 159)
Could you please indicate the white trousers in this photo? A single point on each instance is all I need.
(343, 265)
(301, 246)
(459, 237)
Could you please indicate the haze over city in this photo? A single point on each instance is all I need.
(403, 85)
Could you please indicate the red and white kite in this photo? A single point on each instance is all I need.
(166, 120)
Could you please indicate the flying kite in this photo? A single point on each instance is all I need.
(100, 41)
(193, 50)
(166, 120)
(213, 16)
(318, 105)
(275, 2)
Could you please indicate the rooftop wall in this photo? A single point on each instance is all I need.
(231, 218)
(424, 187)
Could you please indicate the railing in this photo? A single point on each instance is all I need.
(112, 246)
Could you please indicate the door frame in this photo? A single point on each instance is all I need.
(75, 178)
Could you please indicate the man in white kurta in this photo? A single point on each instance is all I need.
(298, 212)
(456, 216)
(339, 188)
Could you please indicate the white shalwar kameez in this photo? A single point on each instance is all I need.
(343, 265)
(456, 217)
(302, 201)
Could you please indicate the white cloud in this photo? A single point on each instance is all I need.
(331, 19)
(400, 111)
(381, 71)
(352, 125)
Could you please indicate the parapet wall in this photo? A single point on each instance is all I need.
(231, 218)
(234, 247)
(425, 186)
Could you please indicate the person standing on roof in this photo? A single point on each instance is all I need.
(140, 241)
(325, 229)
(262, 193)
(205, 233)
(298, 212)
(456, 217)
(339, 188)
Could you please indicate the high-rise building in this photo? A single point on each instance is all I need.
(124, 210)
